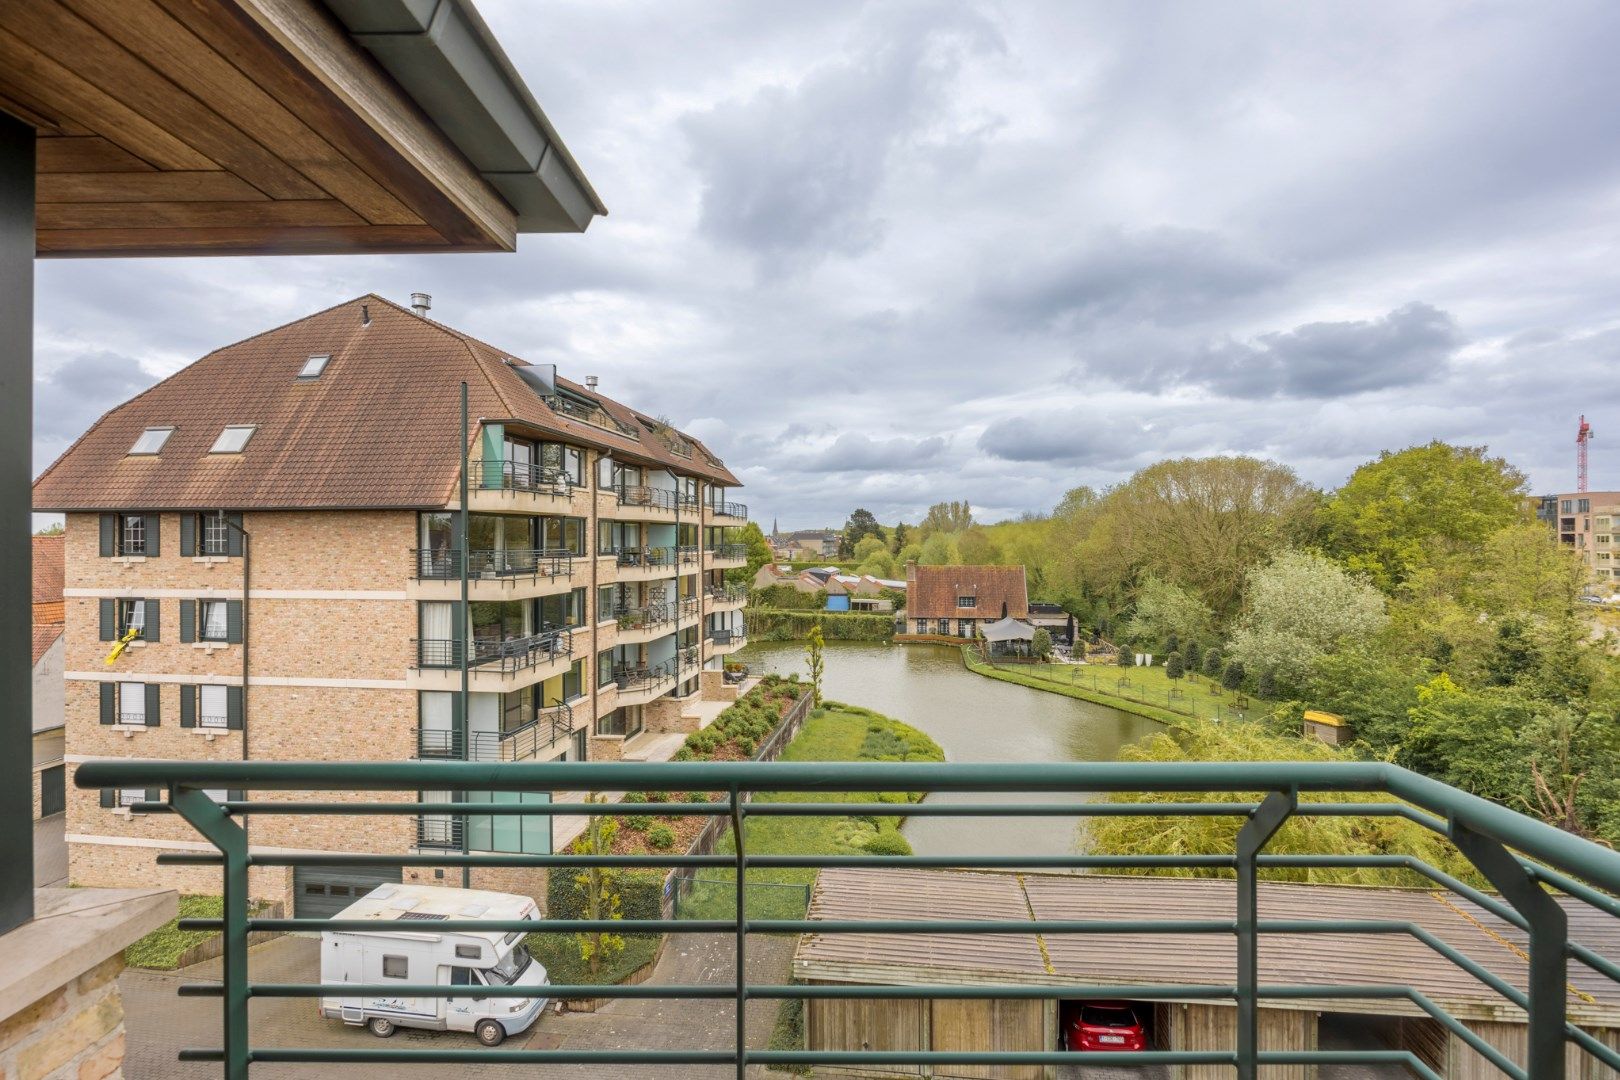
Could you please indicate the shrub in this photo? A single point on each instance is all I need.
(1124, 658)
(638, 822)
(1194, 656)
(635, 796)
(1172, 644)
(1174, 667)
(888, 841)
(660, 838)
(1267, 687)
(747, 745)
(1212, 663)
(1232, 677)
(657, 796)
(642, 891)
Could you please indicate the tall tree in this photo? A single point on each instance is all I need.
(814, 643)
(946, 517)
(861, 524)
(759, 553)
(1302, 606)
(1413, 507)
(1166, 612)
(976, 548)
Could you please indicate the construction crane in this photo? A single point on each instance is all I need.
(1583, 435)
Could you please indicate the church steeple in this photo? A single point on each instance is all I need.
(774, 530)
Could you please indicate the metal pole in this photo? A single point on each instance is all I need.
(464, 630)
(742, 932)
(1267, 819)
(247, 574)
(16, 543)
(215, 825)
(1549, 937)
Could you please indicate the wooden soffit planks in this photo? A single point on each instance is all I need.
(171, 127)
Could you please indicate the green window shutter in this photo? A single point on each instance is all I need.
(188, 706)
(233, 622)
(233, 708)
(188, 535)
(153, 522)
(109, 535)
(188, 621)
(149, 632)
(233, 538)
(109, 798)
(109, 703)
(154, 701)
(109, 620)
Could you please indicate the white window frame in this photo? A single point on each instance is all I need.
(132, 693)
(131, 534)
(206, 717)
(315, 365)
(131, 615)
(967, 602)
(214, 535)
(151, 441)
(233, 438)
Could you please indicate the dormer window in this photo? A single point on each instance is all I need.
(967, 601)
(314, 366)
(233, 439)
(151, 440)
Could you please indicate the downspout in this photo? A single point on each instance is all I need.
(464, 630)
(593, 547)
(247, 574)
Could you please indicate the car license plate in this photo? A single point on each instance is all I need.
(1111, 1038)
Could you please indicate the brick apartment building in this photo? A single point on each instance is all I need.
(1589, 522)
(320, 459)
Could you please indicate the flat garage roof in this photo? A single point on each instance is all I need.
(1336, 959)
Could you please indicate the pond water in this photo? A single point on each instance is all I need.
(975, 719)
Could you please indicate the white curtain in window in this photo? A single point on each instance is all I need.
(436, 621)
(213, 620)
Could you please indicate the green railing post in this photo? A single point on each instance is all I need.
(742, 931)
(1268, 817)
(1549, 938)
(215, 825)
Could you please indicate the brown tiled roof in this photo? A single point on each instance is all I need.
(376, 429)
(931, 592)
(45, 635)
(48, 553)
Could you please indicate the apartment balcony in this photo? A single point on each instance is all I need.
(737, 512)
(727, 597)
(648, 564)
(494, 666)
(641, 683)
(510, 487)
(637, 625)
(507, 574)
(724, 642)
(1520, 973)
(688, 556)
(727, 556)
(540, 737)
(639, 502)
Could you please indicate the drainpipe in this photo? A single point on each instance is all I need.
(463, 631)
(247, 573)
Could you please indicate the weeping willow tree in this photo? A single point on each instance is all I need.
(1202, 741)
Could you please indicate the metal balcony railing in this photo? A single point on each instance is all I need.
(689, 554)
(553, 724)
(728, 594)
(1536, 869)
(644, 495)
(689, 607)
(724, 637)
(637, 677)
(729, 551)
(643, 618)
(590, 414)
(439, 564)
(519, 476)
(729, 509)
(647, 557)
(507, 656)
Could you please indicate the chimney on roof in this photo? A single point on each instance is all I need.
(365, 314)
(420, 303)
(591, 381)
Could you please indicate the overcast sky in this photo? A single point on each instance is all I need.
(886, 254)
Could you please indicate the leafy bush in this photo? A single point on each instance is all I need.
(660, 838)
(1124, 658)
(635, 796)
(1174, 667)
(888, 841)
(1232, 677)
(657, 796)
(638, 822)
(1212, 663)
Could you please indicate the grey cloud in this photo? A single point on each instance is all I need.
(70, 398)
(854, 451)
(1071, 436)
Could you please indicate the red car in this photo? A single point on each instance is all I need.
(1103, 1025)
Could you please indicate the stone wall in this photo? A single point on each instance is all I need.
(76, 1030)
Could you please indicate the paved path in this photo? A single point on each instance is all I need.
(160, 1023)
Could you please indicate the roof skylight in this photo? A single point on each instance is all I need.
(233, 438)
(151, 440)
(314, 366)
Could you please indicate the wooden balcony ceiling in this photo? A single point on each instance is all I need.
(173, 127)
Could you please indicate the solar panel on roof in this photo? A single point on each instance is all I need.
(420, 916)
(542, 378)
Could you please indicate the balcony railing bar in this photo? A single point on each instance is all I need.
(440, 564)
(1482, 830)
(507, 655)
(655, 498)
(519, 476)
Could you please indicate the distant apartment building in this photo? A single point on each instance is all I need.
(270, 540)
(1589, 522)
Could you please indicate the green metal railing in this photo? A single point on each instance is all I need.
(1523, 860)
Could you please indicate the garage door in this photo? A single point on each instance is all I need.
(320, 892)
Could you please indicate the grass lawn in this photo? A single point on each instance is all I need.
(1146, 692)
(161, 949)
(836, 732)
(560, 955)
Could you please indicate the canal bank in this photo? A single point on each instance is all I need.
(973, 719)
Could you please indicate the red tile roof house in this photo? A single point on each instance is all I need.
(952, 601)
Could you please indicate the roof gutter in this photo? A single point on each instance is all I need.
(446, 58)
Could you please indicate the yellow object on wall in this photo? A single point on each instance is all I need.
(123, 643)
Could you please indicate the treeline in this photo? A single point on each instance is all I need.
(1421, 600)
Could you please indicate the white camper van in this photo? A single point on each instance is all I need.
(412, 953)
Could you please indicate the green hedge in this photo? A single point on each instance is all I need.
(643, 894)
(772, 624)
